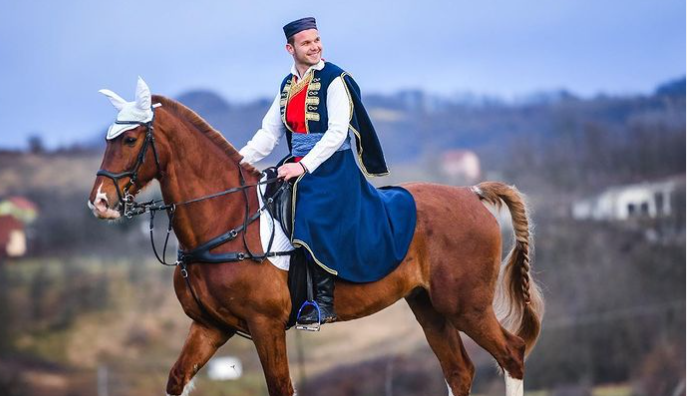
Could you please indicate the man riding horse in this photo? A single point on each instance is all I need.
(449, 274)
(349, 228)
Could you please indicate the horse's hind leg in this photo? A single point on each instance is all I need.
(509, 350)
(445, 341)
(201, 343)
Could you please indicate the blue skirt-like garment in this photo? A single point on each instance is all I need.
(350, 228)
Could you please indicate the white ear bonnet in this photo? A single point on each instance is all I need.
(138, 110)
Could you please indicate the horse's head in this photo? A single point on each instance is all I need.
(131, 159)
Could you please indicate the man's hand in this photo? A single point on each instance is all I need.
(289, 171)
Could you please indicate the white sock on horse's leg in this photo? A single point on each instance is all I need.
(450, 392)
(188, 388)
(514, 387)
(295, 391)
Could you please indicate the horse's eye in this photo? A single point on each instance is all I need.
(130, 140)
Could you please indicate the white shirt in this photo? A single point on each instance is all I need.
(338, 114)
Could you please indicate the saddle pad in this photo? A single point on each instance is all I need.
(281, 241)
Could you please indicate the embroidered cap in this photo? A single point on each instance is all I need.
(299, 25)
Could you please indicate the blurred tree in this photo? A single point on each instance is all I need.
(35, 143)
(39, 288)
(6, 336)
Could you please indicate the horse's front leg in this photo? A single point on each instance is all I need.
(201, 343)
(269, 336)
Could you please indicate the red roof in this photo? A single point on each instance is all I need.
(23, 203)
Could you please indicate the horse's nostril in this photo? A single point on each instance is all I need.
(101, 204)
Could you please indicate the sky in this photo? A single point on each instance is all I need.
(56, 55)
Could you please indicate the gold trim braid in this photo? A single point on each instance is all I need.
(297, 87)
(286, 97)
(305, 245)
(300, 242)
(312, 116)
(358, 143)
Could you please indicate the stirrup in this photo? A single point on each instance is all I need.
(312, 326)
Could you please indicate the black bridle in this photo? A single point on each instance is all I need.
(200, 254)
(125, 197)
(131, 208)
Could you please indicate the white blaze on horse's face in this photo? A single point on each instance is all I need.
(100, 206)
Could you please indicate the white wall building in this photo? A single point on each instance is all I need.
(648, 200)
(461, 164)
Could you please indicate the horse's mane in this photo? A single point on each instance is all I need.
(206, 129)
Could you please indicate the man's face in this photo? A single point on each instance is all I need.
(306, 48)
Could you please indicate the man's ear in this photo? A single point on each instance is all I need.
(289, 48)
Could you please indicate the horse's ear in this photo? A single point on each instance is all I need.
(115, 99)
(143, 99)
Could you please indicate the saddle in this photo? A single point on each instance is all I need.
(280, 206)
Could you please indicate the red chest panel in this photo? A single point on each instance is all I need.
(295, 112)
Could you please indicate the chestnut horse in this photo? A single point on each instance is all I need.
(449, 276)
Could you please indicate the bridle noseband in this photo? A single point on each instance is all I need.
(129, 207)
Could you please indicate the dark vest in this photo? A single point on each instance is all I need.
(369, 150)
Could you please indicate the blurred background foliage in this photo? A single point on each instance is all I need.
(86, 298)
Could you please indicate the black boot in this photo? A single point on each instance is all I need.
(324, 297)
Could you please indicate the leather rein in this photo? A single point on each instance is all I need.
(201, 254)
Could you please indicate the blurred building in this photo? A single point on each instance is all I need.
(460, 166)
(12, 237)
(20, 208)
(642, 200)
(16, 214)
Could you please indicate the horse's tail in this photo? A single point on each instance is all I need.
(519, 304)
